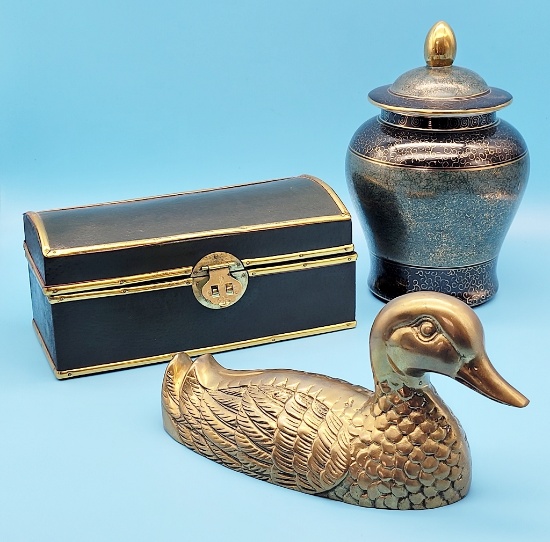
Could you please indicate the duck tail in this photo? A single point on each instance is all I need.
(173, 378)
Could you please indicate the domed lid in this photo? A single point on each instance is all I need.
(439, 88)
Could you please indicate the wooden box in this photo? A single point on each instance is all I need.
(129, 283)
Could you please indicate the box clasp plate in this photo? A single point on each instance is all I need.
(219, 280)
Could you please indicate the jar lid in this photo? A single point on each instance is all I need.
(439, 88)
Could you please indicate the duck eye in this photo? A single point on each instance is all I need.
(427, 329)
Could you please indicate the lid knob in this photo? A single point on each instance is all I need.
(440, 45)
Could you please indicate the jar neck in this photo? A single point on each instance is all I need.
(467, 122)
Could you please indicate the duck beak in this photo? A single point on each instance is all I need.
(480, 375)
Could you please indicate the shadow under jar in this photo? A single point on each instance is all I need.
(437, 178)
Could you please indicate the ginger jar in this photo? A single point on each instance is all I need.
(437, 178)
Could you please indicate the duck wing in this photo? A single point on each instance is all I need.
(265, 424)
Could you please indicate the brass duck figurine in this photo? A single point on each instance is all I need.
(398, 447)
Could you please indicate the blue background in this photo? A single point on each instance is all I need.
(106, 100)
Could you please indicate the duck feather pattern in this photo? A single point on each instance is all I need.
(399, 447)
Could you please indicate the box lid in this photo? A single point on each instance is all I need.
(165, 236)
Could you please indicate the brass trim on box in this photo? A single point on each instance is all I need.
(305, 254)
(43, 238)
(93, 294)
(59, 289)
(70, 373)
(50, 252)
(330, 191)
(35, 270)
(296, 266)
(302, 266)
(77, 287)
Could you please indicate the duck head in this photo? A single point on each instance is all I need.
(424, 332)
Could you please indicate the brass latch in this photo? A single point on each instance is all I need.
(219, 280)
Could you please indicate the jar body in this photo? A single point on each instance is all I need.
(436, 197)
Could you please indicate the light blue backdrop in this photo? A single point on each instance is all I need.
(106, 100)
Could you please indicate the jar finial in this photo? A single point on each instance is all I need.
(440, 45)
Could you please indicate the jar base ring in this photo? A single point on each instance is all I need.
(474, 284)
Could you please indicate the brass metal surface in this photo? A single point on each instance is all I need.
(333, 194)
(302, 266)
(178, 272)
(75, 287)
(440, 45)
(398, 447)
(127, 364)
(49, 252)
(56, 253)
(94, 294)
(219, 280)
(304, 255)
(66, 293)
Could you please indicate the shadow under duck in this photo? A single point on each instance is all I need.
(399, 447)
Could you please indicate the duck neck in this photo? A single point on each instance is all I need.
(387, 373)
(397, 388)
